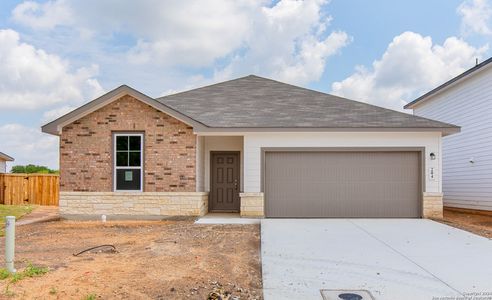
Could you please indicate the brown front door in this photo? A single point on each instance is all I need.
(224, 181)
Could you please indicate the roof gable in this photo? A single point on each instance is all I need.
(56, 126)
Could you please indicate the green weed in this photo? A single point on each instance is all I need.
(90, 297)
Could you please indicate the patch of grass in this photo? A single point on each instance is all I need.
(90, 297)
(53, 291)
(16, 277)
(4, 274)
(29, 271)
(13, 210)
(33, 271)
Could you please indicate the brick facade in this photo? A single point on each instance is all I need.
(86, 150)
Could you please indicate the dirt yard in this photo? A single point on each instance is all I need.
(480, 224)
(154, 260)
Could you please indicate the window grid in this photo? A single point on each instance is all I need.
(127, 166)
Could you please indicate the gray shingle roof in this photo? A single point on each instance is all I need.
(256, 102)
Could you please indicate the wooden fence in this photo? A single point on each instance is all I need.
(37, 189)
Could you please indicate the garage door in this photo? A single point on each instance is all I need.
(342, 184)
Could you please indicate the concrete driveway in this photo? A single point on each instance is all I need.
(390, 258)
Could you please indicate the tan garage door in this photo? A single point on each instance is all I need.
(342, 184)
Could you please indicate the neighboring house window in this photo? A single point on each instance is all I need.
(128, 160)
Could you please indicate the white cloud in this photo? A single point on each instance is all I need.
(309, 63)
(411, 65)
(32, 79)
(287, 39)
(288, 42)
(55, 113)
(42, 16)
(475, 17)
(29, 145)
(192, 33)
(167, 33)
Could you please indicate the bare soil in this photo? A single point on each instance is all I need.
(154, 260)
(476, 222)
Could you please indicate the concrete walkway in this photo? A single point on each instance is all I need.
(40, 214)
(389, 258)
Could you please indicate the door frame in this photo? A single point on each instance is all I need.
(238, 163)
(421, 151)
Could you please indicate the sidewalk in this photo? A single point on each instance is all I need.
(40, 214)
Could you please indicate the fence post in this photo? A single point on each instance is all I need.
(10, 243)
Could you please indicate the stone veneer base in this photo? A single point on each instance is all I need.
(252, 205)
(126, 204)
(157, 205)
(432, 206)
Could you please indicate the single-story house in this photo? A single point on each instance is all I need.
(465, 100)
(250, 145)
(4, 158)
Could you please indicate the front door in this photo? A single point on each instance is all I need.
(224, 182)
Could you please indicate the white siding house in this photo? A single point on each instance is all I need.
(465, 101)
(3, 162)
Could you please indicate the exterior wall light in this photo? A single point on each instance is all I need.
(432, 156)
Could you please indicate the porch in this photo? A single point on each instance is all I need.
(220, 173)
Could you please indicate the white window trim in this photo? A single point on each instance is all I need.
(115, 135)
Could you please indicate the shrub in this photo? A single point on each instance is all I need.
(33, 169)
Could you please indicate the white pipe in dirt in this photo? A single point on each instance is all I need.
(10, 243)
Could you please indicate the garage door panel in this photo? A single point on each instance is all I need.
(342, 184)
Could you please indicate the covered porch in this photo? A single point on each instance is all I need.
(220, 173)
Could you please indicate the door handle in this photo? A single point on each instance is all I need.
(235, 184)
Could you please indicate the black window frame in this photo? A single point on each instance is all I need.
(127, 167)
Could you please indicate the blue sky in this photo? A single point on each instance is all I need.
(56, 55)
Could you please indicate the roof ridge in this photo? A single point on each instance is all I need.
(207, 86)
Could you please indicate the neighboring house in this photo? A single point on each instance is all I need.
(250, 145)
(4, 158)
(465, 100)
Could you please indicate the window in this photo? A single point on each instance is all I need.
(128, 163)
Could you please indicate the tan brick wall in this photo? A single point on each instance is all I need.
(252, 205)
(432, 206)
(86, 149)
(134, 204)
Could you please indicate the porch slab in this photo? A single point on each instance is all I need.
(225, 218)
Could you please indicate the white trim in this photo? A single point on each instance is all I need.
(5, 157)
(93, 109)
(244, 131)
(141, 168)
